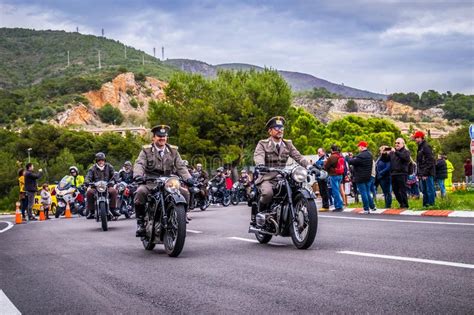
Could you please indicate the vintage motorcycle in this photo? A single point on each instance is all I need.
(125, 198)
(165, 216)
(292, 211)
(238, 193)
(196, 198)
(218, 195)
(102, 206)
(66, 194)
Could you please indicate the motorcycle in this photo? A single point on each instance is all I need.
(66, 194)
(238, 193)
(125, 198)
(218, 195)
(165, 216)
(102, 207)
(196, 198)
(292, 211)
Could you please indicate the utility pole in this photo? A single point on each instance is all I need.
(102, 32)
(68, 63)
(163, 53)
(125, 52)
(143, 59)
(77, 29)
(154, 52)
(100, 66)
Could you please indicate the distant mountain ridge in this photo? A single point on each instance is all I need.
(297, 80)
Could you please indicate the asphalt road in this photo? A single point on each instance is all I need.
(71, 266)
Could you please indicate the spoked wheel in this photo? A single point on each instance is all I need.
(148, 239)
(103, 215)
(176, 232)
(204, 204)
(58, 212)
(303, 229)
(263, 238)
(226, 200)
(124, 210)
(53, 209)
(235, 198)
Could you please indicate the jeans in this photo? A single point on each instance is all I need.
(386, 185)
(428, 190)
(336, 193)
(323, 190)
(442, 188)
(373, 189)
(365, 194)
(31, 201)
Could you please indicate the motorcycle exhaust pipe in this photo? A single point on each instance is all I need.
(257, 230)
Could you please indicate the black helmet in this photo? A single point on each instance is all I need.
(127, 163)
(100, 156)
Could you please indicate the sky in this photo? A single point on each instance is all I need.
(383, 46)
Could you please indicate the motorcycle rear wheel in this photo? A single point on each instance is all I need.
(303, 229)
(103, 215)
(175, 234)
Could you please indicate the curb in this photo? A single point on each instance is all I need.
(425, 213)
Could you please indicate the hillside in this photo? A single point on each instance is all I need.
(29, 57)
(298, 81)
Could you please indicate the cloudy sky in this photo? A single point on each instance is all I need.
(383, 46)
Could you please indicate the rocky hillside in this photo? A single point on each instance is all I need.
(298, 81)
(124, 92)
(404, 116)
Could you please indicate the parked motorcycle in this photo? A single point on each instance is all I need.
(125, 196)
(197, 199)
(292, 211)
(66, 193)
(218, 195)
(165, 216)
(102, 207)
(238, 193)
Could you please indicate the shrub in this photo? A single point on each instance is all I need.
(110, 115)
(351, 106)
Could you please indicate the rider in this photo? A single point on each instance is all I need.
(246, 182)
(201, 176)
(75, 179)
(157, 159)
(126, 173)
(101, 171)
(273, 152)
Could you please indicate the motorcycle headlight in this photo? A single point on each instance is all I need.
(101, 186)
(323, 175)
(236, 185)
(172, 185)
(299, 174)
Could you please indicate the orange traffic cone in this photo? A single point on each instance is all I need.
(41, 212)
(18, 218)
(68, 214)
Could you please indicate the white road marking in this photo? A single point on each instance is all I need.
(252, 241)
(425, 261)
(6, 306)
(194, 231)
(392, 220)
(9, 226)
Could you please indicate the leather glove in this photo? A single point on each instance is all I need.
(138, 179)
(190, 182)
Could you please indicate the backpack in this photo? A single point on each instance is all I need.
(340, 166)
(411, 167)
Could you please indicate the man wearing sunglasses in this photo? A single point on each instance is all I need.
(399, 164)
(273, 152)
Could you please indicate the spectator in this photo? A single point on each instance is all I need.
(22, 198)
(413, 185)
(45, 200)
(330, 166)
(441, 174)
(426, 169)
(31, 187)
(373, 183)
(448, 183)
(399, 170)
(322, 183)
(468, 171)
(383, 175)
(362, 163)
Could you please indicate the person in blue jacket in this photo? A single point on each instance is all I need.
(382, 169)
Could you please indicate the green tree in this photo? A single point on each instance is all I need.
(110, 115)
(351, 106)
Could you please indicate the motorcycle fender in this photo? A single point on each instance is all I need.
(176, 198)
(306, 193)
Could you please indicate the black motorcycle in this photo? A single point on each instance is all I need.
(165, 216)
(292, 211)
(218, 194)
(102, 206)
(125, 198)
(197, 198)
(238, 193)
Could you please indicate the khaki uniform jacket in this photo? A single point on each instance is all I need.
(150, 163)
(267, 154)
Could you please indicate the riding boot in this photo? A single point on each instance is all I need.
(253, 214)
(140, 214)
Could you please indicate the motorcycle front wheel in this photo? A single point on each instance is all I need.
(226, 200)
(204, 204)
(176, 231)
(235, 198)
(305, 224)
(58, 212)
(103, 215)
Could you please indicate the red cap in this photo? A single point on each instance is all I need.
(362, 144)
(418, 134)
